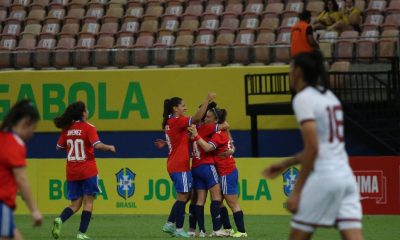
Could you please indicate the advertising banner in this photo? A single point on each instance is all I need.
(132, 100)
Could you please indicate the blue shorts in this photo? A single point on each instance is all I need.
(229, 183)
(77, 189)
(182, 181)
(204, 177)
(7, 225)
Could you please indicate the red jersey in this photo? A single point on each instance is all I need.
(199, 156)
(177, 137)
(79, 140)
(12, 155)
(221, 141)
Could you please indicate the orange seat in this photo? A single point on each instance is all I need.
(189, 24)
(74, 15)
(94, 14)
(387, 45)
(113, 15)
(102, 54)
(345, 44)
(195, 8)
(214, 9)
(274, 9)
(55, 15)
(249, 22)
(210, 22)
(24, 52)
(180, 54)
(141, 54)
(135, 12)
(255, 8)
(288, 23)
(50, 30)
(11, 30)
(242, 47)
(394, 7)
(293, 9)
(230, 22)
(82, 53)
(372, 22)
(282, 48)
(122, 56)
(69, 30)
(269, 23)
(6, 46)
(160, 49)
(90, 29)
(128, 28)
(366, 45)
(262, 47)
(62, 56)
(235, 8)
(392, 21)
(149, 25)
(39, 4)
(376, 6)
(222, 46)
(42, 56)
(201, 53)
(170, 23)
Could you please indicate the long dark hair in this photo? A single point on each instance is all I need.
(210, 106)
(312, 66)
(22, 109)
(335, 5)
(219, 114)
(74, 112)
(169, 105)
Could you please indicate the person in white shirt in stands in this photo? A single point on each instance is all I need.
(325, 193)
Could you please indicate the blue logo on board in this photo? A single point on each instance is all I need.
(125, 184)
(289, 179)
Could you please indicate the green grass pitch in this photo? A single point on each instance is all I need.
(118, 227)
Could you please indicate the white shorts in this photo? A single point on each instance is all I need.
(328, 201)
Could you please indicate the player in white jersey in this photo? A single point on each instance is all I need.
(325, 193)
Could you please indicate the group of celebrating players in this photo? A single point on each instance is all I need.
(325, 193)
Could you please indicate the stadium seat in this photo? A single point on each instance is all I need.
(82, 51)
(55, 15)
(170, 23)
(5, 3)
(74, 15)
(20, 4)
(274, 9)
(39, 4)
(315, 7)
(392, 21)
(24, 52)
(222, 46)
(180, 53)
(135, 12)
(58, 4)
(50, 30)
(282, 49)
(102, 54)
(215, 8)
(255, 8)
(195, 8)
(160, 49)
(233, 8)
(113, 15)
(122, 56)
(201, 50)
(149, 25)
(42, 56)
(326, 43)
(141, 55)
(129, 28)
(372, 22)
(63, 53)
(3, 14)
(189, 24)
(35, 16)
(269, 23)
(17, 16)
(80, 4)
(108, 29)
(376, 6)
(93, 14)
(288, 23)
(96, 4)
(293, 9)
(117, 3)
(340, 66)
(249, 22)
(6, 46)
(345, 45)
(242, 47)
(262, 47)
(394, 7)
(230, 22)
(360, 5)
(89, 29)
(175, 9)
(210, 22)
(154, 10)
(31, 31)
(387, 45)
(11, 30)
(366, 45)
(69, 30)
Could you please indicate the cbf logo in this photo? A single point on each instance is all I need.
(289, 179)
(125, 184)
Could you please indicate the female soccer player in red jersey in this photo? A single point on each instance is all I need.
(17, 127)
(79, 138)
(175, 124)
(219, 143)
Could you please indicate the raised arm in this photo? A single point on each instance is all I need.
(104, 147)
(203, 108)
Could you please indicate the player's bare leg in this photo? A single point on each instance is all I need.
(352, 234)
(296, 234)
(17, 235)
(86, 216)
(76, 204)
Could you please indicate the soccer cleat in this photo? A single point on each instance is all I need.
(56, 228)
(169, 228)
(181, 234)
(82, 236)
(239, 235)
(202, 234)
(192, 234)
(219, 233)
(229, 232)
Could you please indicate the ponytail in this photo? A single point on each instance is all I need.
(313, 68)
(22, 109)
(169, 105)
(74, 112)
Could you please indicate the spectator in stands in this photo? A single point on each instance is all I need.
(350, 18)
(328, 17)
(302, 35)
